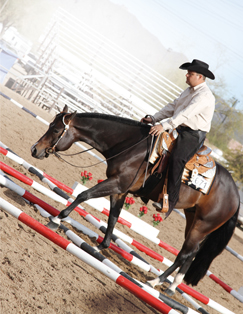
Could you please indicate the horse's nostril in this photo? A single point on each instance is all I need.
(33, 151)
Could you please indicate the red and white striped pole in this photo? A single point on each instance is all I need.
(54, 212)
(197, 295)
(56, 185)
(95, 221)
(128, 239)
(85, 257)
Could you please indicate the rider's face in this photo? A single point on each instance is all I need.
(193, 78)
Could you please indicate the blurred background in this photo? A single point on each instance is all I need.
(122, 57)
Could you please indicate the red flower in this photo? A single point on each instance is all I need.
(86, 176)
(99, 181)
(143, 211)
(132, 201)
(157, 219)
(128, 202)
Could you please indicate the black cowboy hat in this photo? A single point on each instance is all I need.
(199, 67)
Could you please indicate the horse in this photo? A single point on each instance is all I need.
(125, 144)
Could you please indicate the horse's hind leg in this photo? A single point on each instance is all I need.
(190, 213)
(183, 260)
(159, 280)
(180, 275)
(196, 234)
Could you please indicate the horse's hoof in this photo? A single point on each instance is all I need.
(53, 225)
(169, 292)
(148, 284)
(97, 249)
(153, 283)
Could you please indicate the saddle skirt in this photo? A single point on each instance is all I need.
(199, 171)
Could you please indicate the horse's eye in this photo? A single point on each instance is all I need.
(56, 131)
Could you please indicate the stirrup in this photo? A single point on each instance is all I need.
(165, 203)
(158, 206)
(162, 206)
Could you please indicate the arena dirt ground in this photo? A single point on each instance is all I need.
(39, 277)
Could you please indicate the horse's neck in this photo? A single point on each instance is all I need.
(106, 135)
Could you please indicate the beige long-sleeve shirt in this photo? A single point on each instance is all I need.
(193, 108)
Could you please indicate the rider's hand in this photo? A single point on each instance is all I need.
(156, 129)
(146, 120)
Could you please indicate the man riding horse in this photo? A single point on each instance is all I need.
(191, 114)
(210, 217)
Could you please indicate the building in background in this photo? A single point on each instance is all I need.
(20, 44)
(7, 59)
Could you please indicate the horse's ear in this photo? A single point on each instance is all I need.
(65, 109)
(69, 117)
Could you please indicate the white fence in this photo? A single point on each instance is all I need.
(81, 68)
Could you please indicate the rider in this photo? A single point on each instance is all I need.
(191, 114)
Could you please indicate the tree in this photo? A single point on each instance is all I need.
(30, 17)
(235, 165)
(227, 124)
(8, 16)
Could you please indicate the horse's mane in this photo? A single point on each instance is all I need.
(112, 118)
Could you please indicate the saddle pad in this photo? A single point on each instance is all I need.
(197, 181)
(200, 171)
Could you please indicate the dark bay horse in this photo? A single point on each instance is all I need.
(210, 219)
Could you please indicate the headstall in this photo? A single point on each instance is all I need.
(50, 150)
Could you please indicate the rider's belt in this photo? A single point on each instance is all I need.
(201, 134)
(181, 128)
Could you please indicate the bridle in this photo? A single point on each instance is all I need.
(51, 150)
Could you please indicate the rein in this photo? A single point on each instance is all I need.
(83, 151)
(59, 156)
(51, 150)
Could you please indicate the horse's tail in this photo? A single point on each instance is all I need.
(213, 245)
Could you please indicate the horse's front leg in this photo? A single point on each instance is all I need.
(105, 188)
(116, 203)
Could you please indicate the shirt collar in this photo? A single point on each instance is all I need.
(198, 86)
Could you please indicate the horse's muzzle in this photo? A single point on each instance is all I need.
(41, 155)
